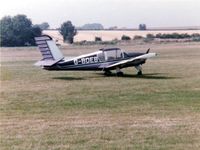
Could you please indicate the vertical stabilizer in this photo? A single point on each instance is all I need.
(49, 50)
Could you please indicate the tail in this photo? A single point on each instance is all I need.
(50, 52)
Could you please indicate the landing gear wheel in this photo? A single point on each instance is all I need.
(119, 74)
(139, 69)
(139, 73)
(107, 73)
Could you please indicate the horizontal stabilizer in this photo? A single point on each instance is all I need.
(46, 62)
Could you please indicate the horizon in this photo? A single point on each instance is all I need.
(126, 14)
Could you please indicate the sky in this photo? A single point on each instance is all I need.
(121, 13)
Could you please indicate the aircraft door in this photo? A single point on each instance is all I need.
(101, 57)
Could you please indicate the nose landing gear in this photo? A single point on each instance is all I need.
(139, 69)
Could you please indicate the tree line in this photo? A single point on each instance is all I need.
(20, 31)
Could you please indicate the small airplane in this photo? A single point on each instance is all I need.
(105, 59)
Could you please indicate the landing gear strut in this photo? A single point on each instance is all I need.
(139, 69)
(119, 72)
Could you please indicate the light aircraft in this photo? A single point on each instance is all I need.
(105, 59)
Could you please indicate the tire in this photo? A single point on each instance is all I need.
(119, 74)
(107, 73)
(139, 73)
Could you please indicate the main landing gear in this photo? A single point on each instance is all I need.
(119, 72)
(139, 69)
(107, 72)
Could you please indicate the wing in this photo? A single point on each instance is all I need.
(145, 56)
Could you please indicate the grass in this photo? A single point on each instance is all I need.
(85, 110)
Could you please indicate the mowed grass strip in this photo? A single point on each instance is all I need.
(55, 92)
(85, 110)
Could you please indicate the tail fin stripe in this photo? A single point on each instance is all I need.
(48, 58)
(41, 42)
(43, 46)
(45, 56)
(44, 49)
(43, 38)
(47, 52)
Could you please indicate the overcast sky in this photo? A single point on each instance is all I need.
(122, 13)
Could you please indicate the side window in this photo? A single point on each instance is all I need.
(118, 54)
(113, 55)
(110, 55)
(101, 57)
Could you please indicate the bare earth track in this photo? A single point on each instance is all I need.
(85, 110)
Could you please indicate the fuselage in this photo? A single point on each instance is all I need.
(97, 60)
(105, 59)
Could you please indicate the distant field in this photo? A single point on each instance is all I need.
(111, 35)
(85, 110)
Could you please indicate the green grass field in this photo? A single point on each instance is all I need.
(84, 110)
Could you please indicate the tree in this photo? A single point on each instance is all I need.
(125, 38)
(18, 31)
(68, 31)
(142, 27)
(6, 34)
(97, 39)
(150, 36)
(43, 26)
(92, 26)
(137, 37)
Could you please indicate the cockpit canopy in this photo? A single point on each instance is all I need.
(110, 54)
